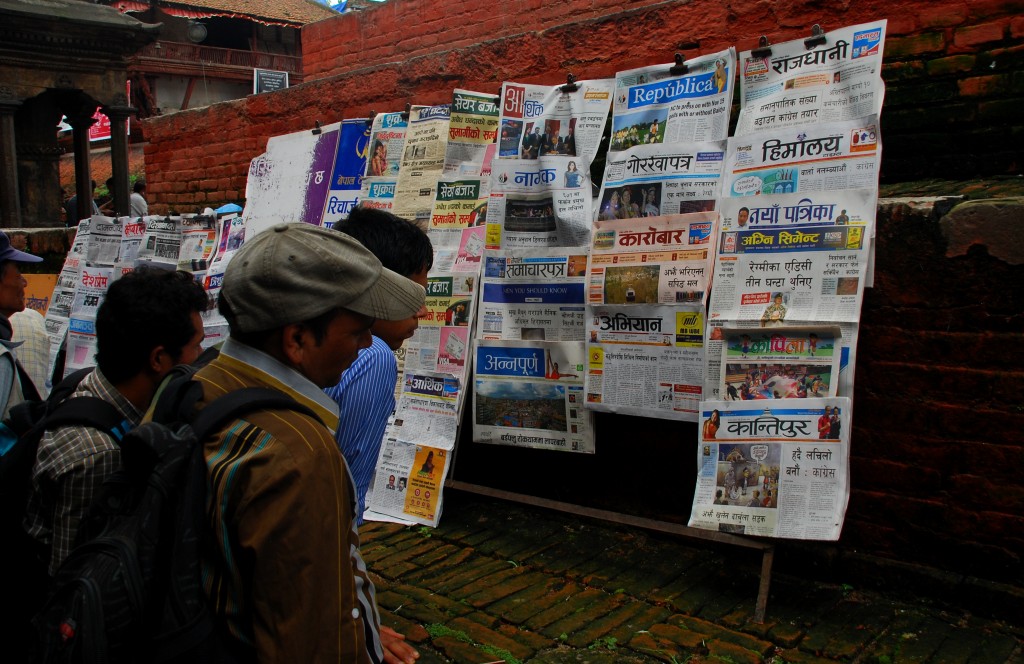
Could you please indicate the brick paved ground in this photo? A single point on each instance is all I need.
(501, 582)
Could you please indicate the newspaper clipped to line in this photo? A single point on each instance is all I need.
(655, 180)
(441, 342)
(472, 128)
(409, 481)
(545, 120)
(530, 394)
(533, 294)
(653, 105)
(777, 469)
(821, 157)
(664, 260)
(426, 140)
(782, 363)
(645, 359)
(387, 138)
(839, 79)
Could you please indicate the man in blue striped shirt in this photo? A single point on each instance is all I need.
(366, 392)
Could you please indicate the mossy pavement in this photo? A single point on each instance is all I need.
(502, 582)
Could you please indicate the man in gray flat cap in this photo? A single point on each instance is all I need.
(282, 569)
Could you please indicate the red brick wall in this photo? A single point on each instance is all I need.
(937, 430)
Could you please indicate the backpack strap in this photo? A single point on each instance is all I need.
(28, 386)
(247, 400)
(92, 412)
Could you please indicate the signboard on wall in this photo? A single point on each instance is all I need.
(268, 80)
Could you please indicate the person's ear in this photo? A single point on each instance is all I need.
(160, 361)
(293, 341)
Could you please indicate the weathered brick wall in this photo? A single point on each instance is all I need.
(954, 71)
(937, 440)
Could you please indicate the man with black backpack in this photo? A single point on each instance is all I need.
(282, 569)
(148, 322)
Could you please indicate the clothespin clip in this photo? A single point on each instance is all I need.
(570, 84)
(763, 50)
(817, 37)
(316, 128)
(406, 112)
(679, 68)
(370, 117)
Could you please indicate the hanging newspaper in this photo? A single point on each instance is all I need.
(426, 140)
(653, 105)
(533, 294)
(409, 481)
(162, 242)
(791, 273)
(838, 79)
(844, 207)
(58, 314)
(545, 120)
(667, 260)
(778, 470)
(784, 363)
(198, 243)
(441, 343)
(654, 180)
(229, 240)
(467, 255)
(543, 202)
(645, 360)
(92, 286)
(349, 165)
(458, 205)
(378, 193)
(387, 138)
(822, 157)
(106, 237)
(473, 126)
(530, 394)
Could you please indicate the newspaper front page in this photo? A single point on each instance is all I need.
(378, 193)
(820, 157)
(545, 120)
(652, 105)
(533, 294)
(776, 470)
(442, 342)
(387, 140)
(840, 79)
(426, 140)
(543, 202)
(530, 394)
(459, 204)
(655, 180)
(645, 359)
(783, 363)
(666, 260)
(473, 127)
(347, 174)
(408, 483)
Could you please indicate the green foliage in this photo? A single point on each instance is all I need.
(436, 630)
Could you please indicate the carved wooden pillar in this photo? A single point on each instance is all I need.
(10, 201)
(80, 124)
(119, 156)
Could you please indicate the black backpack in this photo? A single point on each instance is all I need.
(130, 591)
(20, 434)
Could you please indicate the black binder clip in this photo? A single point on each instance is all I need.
(406, 112)
(763, 50)
(679, 68)
(370, 117)
(570, 84)
(817, 37)
(316, 128)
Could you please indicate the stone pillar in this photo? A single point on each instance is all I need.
(119, 156)
(83, 173)
(10, 201)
